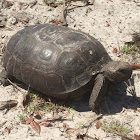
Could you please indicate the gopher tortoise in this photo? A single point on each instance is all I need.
(63, 63)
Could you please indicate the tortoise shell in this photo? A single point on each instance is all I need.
(54, 59)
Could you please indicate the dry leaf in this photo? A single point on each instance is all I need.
(93, 116)
(35, 112)
(107, 25)
(37, 116)
(109, 0)
(64, 124)
(137, 137)
(28, 121)
(23, 121)
(35, 126)
(53, 5)
(42, 114)
(138, 109)
(98, 125)
(45, 124)
(14, 108)
(114, 50)
(1, 43)
(56, 22)
(8, 130)
(97, 117)
(135, 66)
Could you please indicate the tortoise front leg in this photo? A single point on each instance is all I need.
(98, 93)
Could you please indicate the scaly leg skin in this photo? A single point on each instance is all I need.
(99, 91)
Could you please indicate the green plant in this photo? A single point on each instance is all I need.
(32, 108)
(54, 1)
(70, 109)
(33, 96)
(130, 49)
(21, 117)
(120, 128)
(72, 116)
(44, 108)
(115, 127)
(50, 1)
(83, 124)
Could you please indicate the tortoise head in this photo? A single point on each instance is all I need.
(117, 71)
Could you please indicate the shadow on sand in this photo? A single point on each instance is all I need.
(118, 98)
(113, 103)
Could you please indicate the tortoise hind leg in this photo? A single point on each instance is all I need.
(98, 93)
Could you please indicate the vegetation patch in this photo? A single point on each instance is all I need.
(115, 127)
(129, 49)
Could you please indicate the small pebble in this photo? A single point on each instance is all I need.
(13, 20)
(3, 36)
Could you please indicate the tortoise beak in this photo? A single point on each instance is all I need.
(135, 66)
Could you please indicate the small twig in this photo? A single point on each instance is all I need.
(14, 85)
(26, 5)
(64, 13)
(90, 124)
(32, 3)
(53, 119)
(8, 104)
(22, 96)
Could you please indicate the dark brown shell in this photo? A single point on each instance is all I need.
(53, 59)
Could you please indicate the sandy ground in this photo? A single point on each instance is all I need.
(112, 23)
